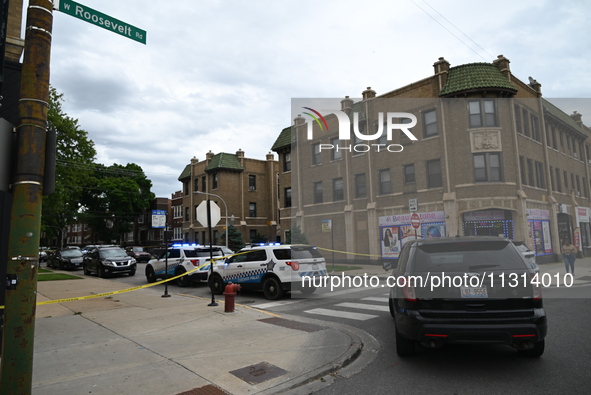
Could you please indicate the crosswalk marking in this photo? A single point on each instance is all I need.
(375, 299)
(274, 304)
(363, 306)
(341, 314)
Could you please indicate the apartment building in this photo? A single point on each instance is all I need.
(471, 149)
(245, 189)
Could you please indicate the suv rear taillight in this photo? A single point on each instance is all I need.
(535, 283)
(408, 287)
(195, 262)
(294, 265)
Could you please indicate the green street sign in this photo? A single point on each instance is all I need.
(101, 20)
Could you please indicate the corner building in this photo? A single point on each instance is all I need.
(491, 157)
(248, 187)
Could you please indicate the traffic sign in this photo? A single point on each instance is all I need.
(413, 204)
(101, 20)
(158, 218)
(327, 225)
(415, 220)
(215, 213)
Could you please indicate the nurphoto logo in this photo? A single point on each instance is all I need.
(345, 130)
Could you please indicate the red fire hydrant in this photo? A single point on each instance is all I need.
(229, 294)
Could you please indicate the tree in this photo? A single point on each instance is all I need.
(295, 236)
(235, 242)
(73, 154)
(119, 196)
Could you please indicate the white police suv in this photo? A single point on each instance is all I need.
(273, 268)
(182, 258)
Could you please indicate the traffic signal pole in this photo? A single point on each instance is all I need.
(16, 366)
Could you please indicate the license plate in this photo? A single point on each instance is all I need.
(474, 292)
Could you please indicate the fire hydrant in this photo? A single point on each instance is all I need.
(229, 294)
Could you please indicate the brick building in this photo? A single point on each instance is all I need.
(491, 157)
(248, 187)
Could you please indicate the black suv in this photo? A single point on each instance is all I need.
(107, 260)
(465, 290)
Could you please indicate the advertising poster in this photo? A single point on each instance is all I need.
(390, 242)
(433, 230)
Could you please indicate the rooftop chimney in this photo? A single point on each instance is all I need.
(441, 71)
(503, 64)
(346, 105)
(368, 93)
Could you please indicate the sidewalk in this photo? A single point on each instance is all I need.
(141, 343)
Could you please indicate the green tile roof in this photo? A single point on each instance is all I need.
(560, 115)
(284, 140)
(224, 161)
(186, 173)
(473, 76)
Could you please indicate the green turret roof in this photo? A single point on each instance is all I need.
(472, 76)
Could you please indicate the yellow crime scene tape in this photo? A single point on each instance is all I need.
(168, 279)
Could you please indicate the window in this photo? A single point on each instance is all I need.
(565, 181)
(253, 235)
(526, 123)
(552, 179)
(434, 174)
(554, 143)
(337, 189)
(252, 209)
(178, 211)
(287, 197)
(360, 188)
(287, 161)
(316, 157)
(518, 125)
(540, 180)
(215, 181)
(487, 167)
(409, 173)
(318, 192)
(385, 183)
(430, 122)
(482, 113)
(522, 170)
(203, 184)
(558, 182)
(335, 153)
(404, 139)
(196, 185)
(578, 186)
(252, 182)
(585, 192)
(186, 188)
(530, 173)
(383, 139)
(187, 218)
(140, 219)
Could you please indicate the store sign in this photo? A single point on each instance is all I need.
(534, 213)
(405, 219)
(492, 215)
(583, 214)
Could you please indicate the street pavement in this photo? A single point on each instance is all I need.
(139, 342)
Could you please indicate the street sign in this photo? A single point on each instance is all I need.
(413, 204)
(216, 213)
(99, 19)
(415, 220)
(158, 218)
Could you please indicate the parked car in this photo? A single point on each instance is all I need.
(489, 297)
(43, 254)
(274, 269)
(181, 259)
(139, 254)
(66, 258)
(106, 260)
(528, 255)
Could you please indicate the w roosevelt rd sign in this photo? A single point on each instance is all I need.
(99, 19)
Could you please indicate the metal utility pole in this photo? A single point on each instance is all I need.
(25, 219)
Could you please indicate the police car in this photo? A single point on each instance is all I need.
(275, 269)
(182, 258)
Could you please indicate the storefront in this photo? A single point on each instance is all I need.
(539, 232)
(583, 214)
(395, 230)
(488, 223)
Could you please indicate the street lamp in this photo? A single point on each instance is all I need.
(225, 207)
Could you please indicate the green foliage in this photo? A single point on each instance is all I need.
(108, 198)
(295, 236)
(74, 152)
(234, 238)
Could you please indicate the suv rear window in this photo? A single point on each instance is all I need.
(469, 256)
(202, 253)
(296, 252)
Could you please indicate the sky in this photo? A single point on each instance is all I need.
(220, 75)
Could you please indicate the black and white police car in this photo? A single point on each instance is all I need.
(183, 258)
(274, 268)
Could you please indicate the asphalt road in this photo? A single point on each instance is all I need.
(565, 366)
